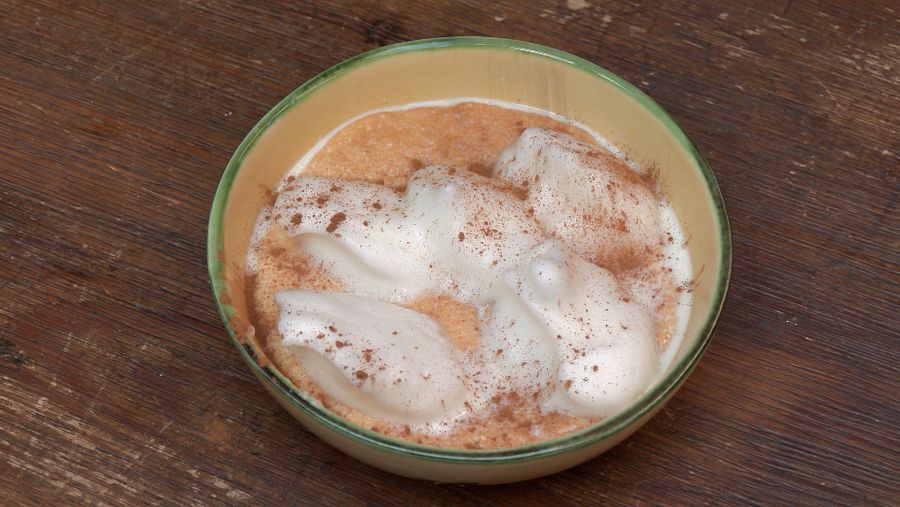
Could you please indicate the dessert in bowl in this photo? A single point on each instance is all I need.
(469, 259)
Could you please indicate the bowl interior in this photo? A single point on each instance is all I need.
(486, 68)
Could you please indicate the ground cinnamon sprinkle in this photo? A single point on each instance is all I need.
(336, 221)
(386, 148)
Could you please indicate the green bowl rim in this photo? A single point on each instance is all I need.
(604, 429)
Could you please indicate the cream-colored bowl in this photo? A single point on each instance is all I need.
(500, 69)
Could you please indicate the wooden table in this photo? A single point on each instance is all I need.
(118, 384)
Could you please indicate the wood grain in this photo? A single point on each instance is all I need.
(118, 385)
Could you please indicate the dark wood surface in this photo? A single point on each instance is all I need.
(118, 384)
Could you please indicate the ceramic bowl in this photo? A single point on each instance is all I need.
(506, 70)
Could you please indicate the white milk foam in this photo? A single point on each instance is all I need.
(555, 325)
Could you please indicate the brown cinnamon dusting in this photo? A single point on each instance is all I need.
(520, 193)
(336, 221)
(268, 194)
(433, 134)
(481, 168)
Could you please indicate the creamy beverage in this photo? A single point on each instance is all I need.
(469, 274)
